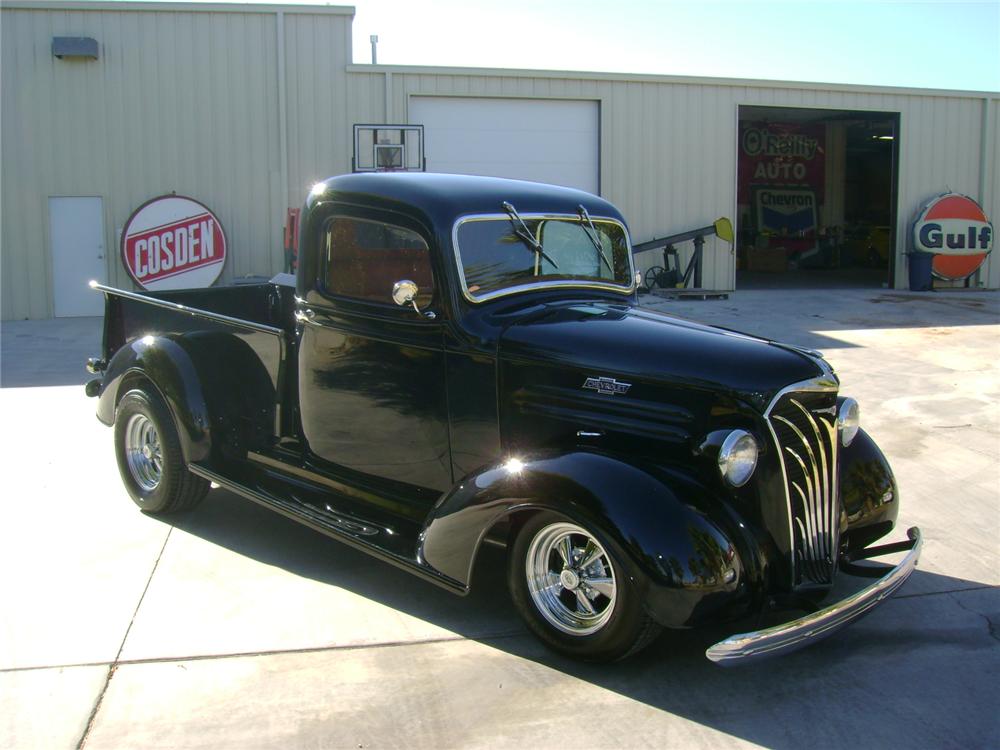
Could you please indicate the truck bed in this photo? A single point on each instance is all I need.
(245, 334)
(269, 305)
(261, 307)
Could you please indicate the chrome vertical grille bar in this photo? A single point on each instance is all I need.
(802, 422)
(823, 508)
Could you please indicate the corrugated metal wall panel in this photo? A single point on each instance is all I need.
(366, 93)
(320, 136)
(669, 173)
(668, 154)
(991, 188)
(178, 101)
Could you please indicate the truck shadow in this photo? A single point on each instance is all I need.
(915, 672)
(815, 318)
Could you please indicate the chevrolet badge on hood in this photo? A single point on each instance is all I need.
(606, 386)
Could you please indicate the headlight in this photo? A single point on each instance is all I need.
(738, 457)
(848, 420)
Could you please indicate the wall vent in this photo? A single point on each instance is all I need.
(74, 47)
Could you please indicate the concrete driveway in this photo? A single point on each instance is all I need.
(233, 627)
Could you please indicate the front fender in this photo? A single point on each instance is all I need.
(868, 491)
(168, 366)
(670, 528)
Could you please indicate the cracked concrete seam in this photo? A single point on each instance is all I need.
(991, 627)
(281, 652)
(113, 667)
(394, 644)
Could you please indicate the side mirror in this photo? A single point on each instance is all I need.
(404, 292)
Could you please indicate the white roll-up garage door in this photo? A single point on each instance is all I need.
(546, 140)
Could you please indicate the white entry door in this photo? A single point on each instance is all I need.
(76, 228)
(545, 140)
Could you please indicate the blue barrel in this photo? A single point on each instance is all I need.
(920, 271)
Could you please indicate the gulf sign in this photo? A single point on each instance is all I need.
(954, 228)
(173, 242)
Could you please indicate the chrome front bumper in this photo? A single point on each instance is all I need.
(744, 648)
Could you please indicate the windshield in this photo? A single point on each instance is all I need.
(497, 256)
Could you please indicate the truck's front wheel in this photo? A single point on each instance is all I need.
(573, 592)
(149, 456)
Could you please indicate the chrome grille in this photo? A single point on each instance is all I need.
(803, 423)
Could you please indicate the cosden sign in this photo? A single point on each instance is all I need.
(954, 228)
(173, 242)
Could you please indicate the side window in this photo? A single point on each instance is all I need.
(363, 259)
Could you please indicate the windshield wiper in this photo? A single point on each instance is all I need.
(524, 234)
(592, 233)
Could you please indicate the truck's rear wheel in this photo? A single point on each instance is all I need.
(149, 456)
(574, 593)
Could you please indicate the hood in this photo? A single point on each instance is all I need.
(610, 340)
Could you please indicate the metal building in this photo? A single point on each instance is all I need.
(244, 107)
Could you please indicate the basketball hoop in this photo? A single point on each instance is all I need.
(389, 148)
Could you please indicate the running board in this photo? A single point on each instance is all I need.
(351, 531)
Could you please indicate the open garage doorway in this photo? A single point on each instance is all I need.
(816, 195)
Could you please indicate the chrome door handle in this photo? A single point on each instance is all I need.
(305, 316)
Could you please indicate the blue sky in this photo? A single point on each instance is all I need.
(930, 44)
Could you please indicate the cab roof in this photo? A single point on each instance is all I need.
(444, 198)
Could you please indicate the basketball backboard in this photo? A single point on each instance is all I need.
(388, 148)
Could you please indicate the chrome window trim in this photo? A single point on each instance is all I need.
(823, 384)
(537, 285)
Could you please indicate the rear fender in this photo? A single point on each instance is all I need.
(164, 363)
(675, 552)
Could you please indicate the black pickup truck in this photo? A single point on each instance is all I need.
(464, 358)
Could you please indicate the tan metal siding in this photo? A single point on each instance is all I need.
(668, 149)
(366, 94)
(991, 198)
(181, 102)
(669, 172)
(318, 49)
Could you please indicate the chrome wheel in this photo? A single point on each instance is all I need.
(570, 579)
(143, 452)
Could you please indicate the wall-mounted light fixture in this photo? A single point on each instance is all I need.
(74, 47)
